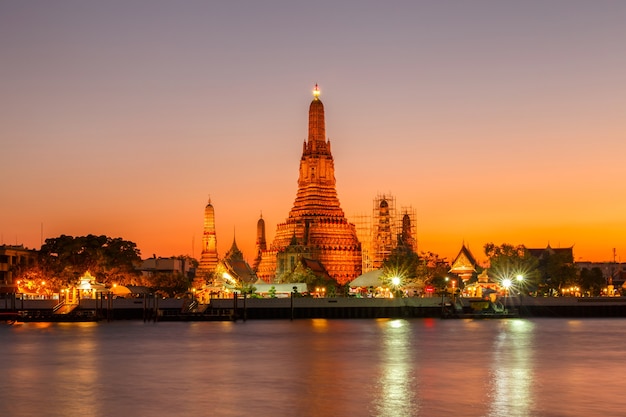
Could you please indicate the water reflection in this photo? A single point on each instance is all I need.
(397, 386)
(315, 368)
(511, 364)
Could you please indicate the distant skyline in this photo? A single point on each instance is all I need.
(496, 121)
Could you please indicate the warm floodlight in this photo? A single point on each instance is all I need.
(395, 281)
(506, 283)
(316, 91)
(520, 278)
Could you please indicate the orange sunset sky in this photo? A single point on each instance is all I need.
(496, 121)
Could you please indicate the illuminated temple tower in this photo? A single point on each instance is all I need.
(316, 228)
(261, 244)
(208, 258)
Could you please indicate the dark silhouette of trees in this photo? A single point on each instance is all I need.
(592, 281)
(507, 261)
(65, 259)
(415, 271)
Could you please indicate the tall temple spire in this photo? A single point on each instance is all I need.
(317, 128)
(316, 182)
(208, 258)
(316, 220)
(261, 243)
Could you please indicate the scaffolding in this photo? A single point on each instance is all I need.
(384, 228)
(382, 231)
(407, 228)
(363, 224)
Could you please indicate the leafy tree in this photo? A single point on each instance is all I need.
(431, 267)
(413, 270)
(402, 264)
(65, 258)
(557, 271)
(246, 288)
(592, 281)
(507, 262)
(302, 274)
(34, 279)
(169, 284)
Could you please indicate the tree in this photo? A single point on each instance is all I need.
(557, 271)
(169, 284)
(592, 281)
(34, 280)
(413, 270)
(66, 258)
(304, 274)
(431, 267)
(246, 288)
(507, 262)
(401, 264)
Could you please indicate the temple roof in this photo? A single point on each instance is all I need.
(315, 266)
(234, 253)
(541, 253)
(464, 261)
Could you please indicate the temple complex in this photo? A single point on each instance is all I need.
(316, 228)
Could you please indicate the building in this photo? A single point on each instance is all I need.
(233, 268)
(261, 243)
(151, 266)
(565, 255)
(464, 265)
(316, 227)
(208, 257)
(13, 259)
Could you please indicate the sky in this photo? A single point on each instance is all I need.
(495, 121)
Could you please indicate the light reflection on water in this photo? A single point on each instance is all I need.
(397, 386)
(511, 370)
(417, 367)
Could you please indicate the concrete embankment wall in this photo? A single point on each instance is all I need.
(152, 308)
(281, 308)
(569, 306)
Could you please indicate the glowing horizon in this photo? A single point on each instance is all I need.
(495, 123)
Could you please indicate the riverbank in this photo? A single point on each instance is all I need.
(220, 309)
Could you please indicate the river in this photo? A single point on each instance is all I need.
(384, 367)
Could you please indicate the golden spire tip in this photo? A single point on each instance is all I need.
(316, 91)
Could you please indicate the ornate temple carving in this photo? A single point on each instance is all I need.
(316, 227)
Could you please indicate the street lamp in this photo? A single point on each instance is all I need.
(395, 281)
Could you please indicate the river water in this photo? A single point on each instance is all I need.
(385, 367)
